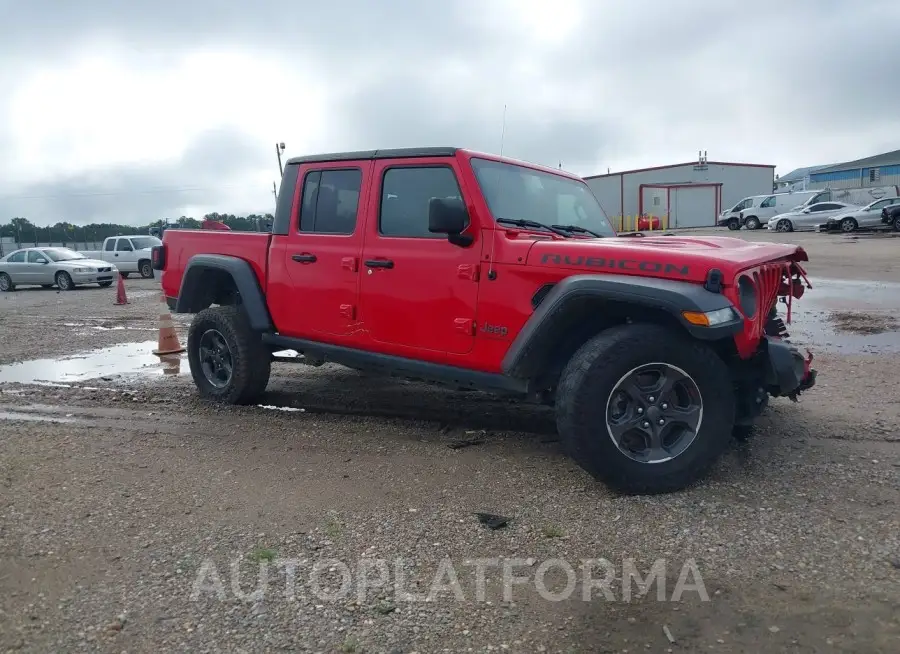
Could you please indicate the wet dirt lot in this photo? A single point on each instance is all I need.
(119, 491)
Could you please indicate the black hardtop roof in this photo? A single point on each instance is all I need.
(395, 153)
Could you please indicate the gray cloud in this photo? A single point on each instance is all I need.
(210, 173)
(785, 83)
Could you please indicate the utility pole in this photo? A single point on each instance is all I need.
(279, 150)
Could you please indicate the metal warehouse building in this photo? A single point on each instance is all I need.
(681, 195)
(880, 170)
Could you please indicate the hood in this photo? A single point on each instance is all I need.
(668, 257)
(84, 263)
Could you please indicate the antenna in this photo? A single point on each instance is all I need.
(491, 274)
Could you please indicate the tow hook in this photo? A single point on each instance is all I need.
(809, 377)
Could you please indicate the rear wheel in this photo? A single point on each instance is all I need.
(64, 281)
(6, 283)
(784, 226)
(145, 269)
(642, 409)
(228, 360)
(848, 225)
(752, 223)
(897, 223)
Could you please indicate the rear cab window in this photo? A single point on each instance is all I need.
(329, 201)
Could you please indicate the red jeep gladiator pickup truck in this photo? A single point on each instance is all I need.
(449, 266)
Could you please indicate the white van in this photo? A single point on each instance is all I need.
(858, 197)
(731, 217)
(774, 204)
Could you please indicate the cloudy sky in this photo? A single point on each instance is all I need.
(135, 111)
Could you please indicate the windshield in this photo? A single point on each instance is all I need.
(520, 193)
(63, 254)
(143, 242)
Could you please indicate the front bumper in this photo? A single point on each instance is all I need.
(94, 277)
(788, 373)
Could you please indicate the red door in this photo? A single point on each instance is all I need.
(319, 259)
(418, 291)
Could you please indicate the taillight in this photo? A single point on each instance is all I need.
(158, 257)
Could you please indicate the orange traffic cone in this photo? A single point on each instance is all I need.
(121, 298)
(168, 340)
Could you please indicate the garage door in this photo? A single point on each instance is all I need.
(692, 207)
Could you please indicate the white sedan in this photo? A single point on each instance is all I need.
(867, 216)
(808, 218)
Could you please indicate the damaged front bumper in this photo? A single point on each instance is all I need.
(788, 372)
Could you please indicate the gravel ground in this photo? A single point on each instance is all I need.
(124, 498)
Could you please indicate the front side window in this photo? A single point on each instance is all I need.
(520, 193)
(406, 194)
(35, 256)
(124, 245)
(330, 201)
(768, 202)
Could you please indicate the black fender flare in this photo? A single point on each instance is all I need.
(526, 356)
(245, 280)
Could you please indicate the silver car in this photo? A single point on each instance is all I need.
(50, 267)
(808, 218)
(867, 216)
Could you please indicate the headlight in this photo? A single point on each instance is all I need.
(83, 270)
(747, 296)
(710, 318)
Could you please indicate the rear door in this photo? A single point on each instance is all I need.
(15, 267)
(314, 287)
(418, 291)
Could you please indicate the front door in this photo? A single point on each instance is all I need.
(418, 291)
(124, 257)
(39, 271)
(320, 256)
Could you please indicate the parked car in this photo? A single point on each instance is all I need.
(652, 350)
(773, 204)
(50, 267)
(808, 218)
(857, 197)
(731, 217)
(128, 253)
(891, 216)
(865, 217)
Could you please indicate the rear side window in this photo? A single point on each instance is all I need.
(330, 201)
(406, 194)
(17, 257)
(110, 245)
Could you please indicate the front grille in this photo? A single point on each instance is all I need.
(768, 279)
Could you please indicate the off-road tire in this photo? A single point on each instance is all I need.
(734, 225)
(752, 223)
(251, 360)
(591, 376)
(64, 281)
(145, 268)
(7, 284)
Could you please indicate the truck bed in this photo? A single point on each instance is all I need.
(182, 244)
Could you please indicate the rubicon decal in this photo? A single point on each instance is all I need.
(617, 264)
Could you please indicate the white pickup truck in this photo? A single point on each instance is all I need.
(128, 253)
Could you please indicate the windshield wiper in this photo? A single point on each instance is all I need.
(577, 230)
(533, 225)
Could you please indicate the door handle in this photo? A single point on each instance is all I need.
(380, 263)
(304, 258)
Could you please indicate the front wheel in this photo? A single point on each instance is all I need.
(643, 409)
(752, 223)
(105, 284)
(848, 225)
(734, 225)
(228, 360)
(6, 283)
(784, 226)
(897, 223)
(64, 281)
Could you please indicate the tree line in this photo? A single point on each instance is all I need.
(23, 230)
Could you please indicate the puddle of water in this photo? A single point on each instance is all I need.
(811, 323)
(32, 417)
(118, 360)
(272, 407)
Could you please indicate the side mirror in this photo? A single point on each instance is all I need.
(43, 261)
(450, 217)
(805, 211)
